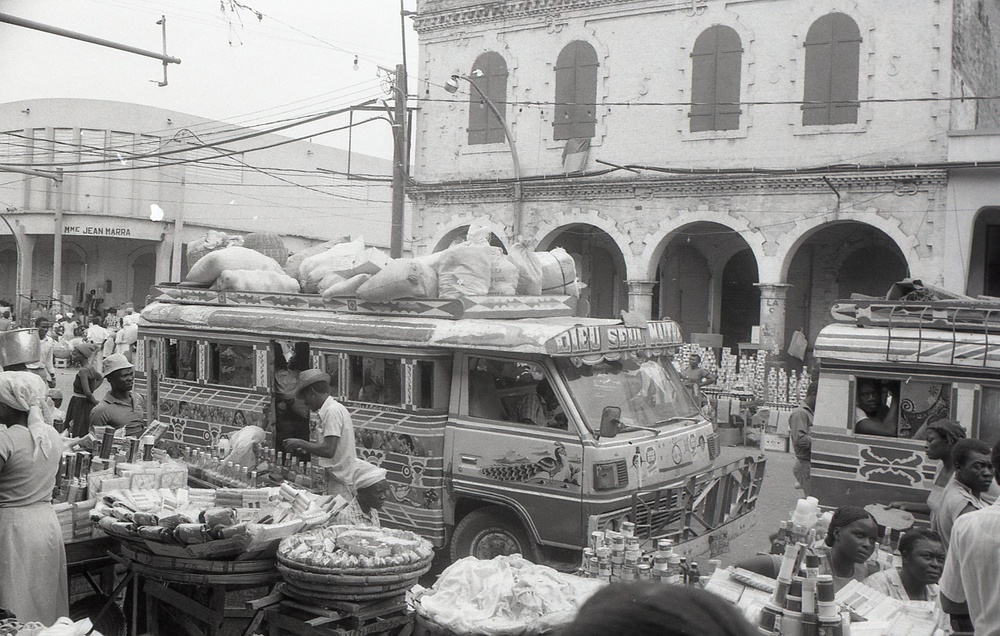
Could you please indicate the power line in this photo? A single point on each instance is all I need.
(778, 102)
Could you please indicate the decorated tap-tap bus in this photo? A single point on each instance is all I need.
(506, 424)
(913, 363)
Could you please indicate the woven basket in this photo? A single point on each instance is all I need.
(322, 589)
(407, 569)
(296, 576)
(335, 596)
(268, 244)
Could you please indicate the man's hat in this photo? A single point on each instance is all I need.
(115, 362)
(308, 378)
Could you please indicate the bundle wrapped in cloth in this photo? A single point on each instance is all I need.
(501, 596)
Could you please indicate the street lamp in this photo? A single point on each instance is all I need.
(452, 87)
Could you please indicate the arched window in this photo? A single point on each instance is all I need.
(716, 65)
(490, 75)
(833, 48)
(576, 92)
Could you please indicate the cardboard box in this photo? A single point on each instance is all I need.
(774, 442)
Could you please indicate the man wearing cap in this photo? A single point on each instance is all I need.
(370, 486)
(332, 438)
(121, 407)
(45, 367)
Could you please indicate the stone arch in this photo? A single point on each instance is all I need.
(555, 224)
(600, 265)
(138, 261)
(807, 228)
(459, 224)
(675, 221)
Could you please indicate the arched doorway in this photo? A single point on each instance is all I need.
(143, 277)
(835, 261)
(706, 281)
(740, 299)
(984, 256)
(460, 234)
(8, 275)
(73, 276)
(599, 264)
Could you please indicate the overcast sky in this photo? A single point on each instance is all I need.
(297, 59)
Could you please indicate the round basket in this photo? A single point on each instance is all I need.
(335, 595)
(407, 569)
(268, 244)
(200, 566)
(296, 576)
(323, 589)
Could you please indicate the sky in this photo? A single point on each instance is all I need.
(247, 62)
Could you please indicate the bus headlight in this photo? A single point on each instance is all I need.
(610, 475)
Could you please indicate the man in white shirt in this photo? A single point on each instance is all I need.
(331, 443)
(970, 588)
(45, 367)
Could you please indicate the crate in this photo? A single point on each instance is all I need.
(291, 618)
(773, 442)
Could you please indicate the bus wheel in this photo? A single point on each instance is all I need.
(489, 532)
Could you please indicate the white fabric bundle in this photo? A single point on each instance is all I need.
(256, 281)
(209, 267)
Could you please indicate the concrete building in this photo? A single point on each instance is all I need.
(120, 159)
(730, 164)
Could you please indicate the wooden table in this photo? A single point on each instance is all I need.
(89, 557)
(285, 616)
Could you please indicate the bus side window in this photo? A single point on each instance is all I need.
(376, 380)
(890, 408)
(484, 398)
(431, 381)
(989, 415)
(231, 365)
(182, 359)
(876, 407)
(331, 363)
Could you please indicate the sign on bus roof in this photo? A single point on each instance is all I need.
(591, 339)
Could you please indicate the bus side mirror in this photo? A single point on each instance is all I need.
(610, 421)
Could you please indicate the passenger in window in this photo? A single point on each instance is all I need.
(291, 414)
(382, 382)
(973, 475)
(877, 408)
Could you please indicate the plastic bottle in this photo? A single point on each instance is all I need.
(694, 577)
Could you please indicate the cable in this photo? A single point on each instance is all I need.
(873, 100)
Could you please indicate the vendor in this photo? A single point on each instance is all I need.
(694, 376)
(331, 443)
(940, 438)
(370, 486)
(121, 406)
(32, 557)
(916, 580)
(850, 541)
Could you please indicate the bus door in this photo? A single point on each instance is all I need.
(512, 446)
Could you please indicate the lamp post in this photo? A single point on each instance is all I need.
(452, 87)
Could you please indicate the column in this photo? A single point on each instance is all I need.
(25, 254)
(163, 251)
(773, 297)
(640, 297)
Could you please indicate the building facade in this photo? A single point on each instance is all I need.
(121, 162)
(731, 164)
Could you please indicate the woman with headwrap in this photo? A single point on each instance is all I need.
(32, 557)
(650, 609)
(88, 378)
(369, 485)
(940, 437)
(849, 543)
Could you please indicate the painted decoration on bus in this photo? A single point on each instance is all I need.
(200, 415)
(605, 338)
(410, 447)
(845, 457)
(544, 466)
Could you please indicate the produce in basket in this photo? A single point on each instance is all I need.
(352, 548)
(502, 596)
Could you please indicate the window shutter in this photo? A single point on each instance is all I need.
(833, 47)
(575, 113)
(716, 68)
(484, 127)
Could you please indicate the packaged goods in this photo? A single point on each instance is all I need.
(558, 273)
(256, 281)
(464, 270)
(339, 258)
(401, 278)
(294, 261)
(347, 288)
(348, 548)
(529, 270)
(209, 267)
(504, 278)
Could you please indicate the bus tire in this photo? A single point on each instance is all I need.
(489, 532)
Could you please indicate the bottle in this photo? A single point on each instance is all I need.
(253, 479)
(694, 577)
(780, 539)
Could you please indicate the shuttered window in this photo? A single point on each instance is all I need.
(833, 48)
(484, 127)
(576, 92)
(716, 65)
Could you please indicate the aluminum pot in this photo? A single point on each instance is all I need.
(19, 346)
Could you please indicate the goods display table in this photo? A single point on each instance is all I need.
(195, 589)
(285, 616)
(89, 557)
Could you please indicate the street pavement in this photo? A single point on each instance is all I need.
(776, 501)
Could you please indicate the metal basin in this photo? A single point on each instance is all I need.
(19, 346)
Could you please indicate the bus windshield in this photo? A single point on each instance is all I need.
(648, 390)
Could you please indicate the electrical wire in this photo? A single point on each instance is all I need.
(690, 103)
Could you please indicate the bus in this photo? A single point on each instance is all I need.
(506, 424)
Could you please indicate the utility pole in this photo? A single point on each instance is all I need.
(400, 158)
(57, 241)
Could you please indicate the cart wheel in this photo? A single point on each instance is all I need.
(489, 532)
(111, 623)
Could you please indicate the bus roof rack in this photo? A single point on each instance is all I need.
(492, 307)
(972, 315)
